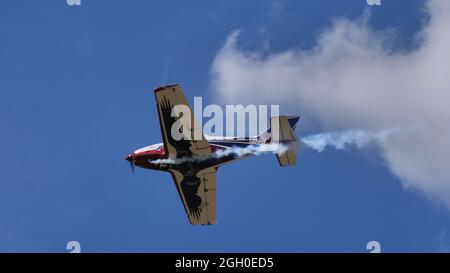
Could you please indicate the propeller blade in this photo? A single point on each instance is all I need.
(132, 167)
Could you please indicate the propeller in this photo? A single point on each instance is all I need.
(130, 159)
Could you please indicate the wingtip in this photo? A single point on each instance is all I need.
(159, 88)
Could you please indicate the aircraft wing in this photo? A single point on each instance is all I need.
(198, 193)
(166, 98)
(195, 182)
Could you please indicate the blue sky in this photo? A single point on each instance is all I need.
(77, 94)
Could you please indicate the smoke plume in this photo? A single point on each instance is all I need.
(341, 140)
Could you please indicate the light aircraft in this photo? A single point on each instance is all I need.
(193, 164)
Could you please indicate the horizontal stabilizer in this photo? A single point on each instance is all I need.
(282, 133)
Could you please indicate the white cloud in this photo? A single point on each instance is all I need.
(352, 78)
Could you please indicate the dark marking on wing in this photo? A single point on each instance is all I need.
(189, 187)
(182, 146)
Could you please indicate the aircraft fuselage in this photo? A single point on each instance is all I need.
(155, 156)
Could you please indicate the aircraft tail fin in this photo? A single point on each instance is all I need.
(283, 132)
(292, 120)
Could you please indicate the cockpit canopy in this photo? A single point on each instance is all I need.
(157, 146)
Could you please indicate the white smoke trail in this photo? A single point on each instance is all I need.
(251, 150)
(340, 140)
(318, 142)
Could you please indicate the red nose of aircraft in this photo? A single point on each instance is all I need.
(129, 157)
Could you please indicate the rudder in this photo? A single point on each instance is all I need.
(282, 132)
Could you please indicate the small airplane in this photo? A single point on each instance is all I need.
(194, 179)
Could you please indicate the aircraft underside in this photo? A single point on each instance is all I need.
(193, 163)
